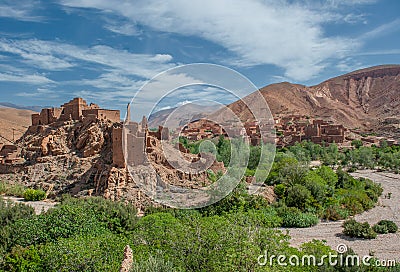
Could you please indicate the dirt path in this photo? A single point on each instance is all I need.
(386, 246)
(39, 206)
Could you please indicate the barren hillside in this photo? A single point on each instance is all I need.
(13, 119)
(366, 99)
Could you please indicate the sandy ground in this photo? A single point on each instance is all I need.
(39, 206)
(385, 246)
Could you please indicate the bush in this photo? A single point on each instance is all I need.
(297, 196)
(56, 223)
(390, 226)
(280, 190)
(357, 143)
(118, 216)
(293, 218)
(12, 189)
(84, 253)
(22, 259)
(335, 212)
(265, 217)
(328, 175)
(34, 195)
(154, 264)
(381, 229)
(11, 212)
(353, 228)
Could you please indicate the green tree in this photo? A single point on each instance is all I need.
(298, 196)
(357, 143)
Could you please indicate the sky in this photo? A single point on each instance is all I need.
(106, 50)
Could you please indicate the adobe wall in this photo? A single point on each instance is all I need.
(117, 152)
(161, 134)
(136, 144)
(312, 130)
(36, 119)
(101, 114)
(136, 150)
(74, 110)
(333, 129)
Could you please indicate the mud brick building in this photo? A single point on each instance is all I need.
(130, 142)
(75, 110)
(297, 128)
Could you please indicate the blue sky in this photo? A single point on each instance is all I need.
(105, 50)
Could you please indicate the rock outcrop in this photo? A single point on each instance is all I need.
(76, 157)
(128, 260)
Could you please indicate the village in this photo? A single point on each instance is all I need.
(288, 131)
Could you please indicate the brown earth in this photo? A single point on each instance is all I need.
(39, 206)
(13, 119)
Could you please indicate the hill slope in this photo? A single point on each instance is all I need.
(16, 119)
(368, 99)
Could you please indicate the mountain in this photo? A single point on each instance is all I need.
(13, 121)
(367, 100)
(176, 117)
(20, 107)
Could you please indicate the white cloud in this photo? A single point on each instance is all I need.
(52, 55)
(36, 53)
(40, 93)
(381, 30)
(120, 73)
(22, 10)
(25, 78)
(111, 80)
(123, 28)
(289, 35)
(348, 65)
(380, 52)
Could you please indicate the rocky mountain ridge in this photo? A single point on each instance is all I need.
(366, 100)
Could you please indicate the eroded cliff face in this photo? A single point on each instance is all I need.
(366, 98)
(84, 139)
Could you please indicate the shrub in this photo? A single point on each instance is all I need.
(356, 201)
(22, 259)
(265, 217)
(154, 264)
(56, 223)
(357, 143)
(280, 190)
(390, 225)
(328, 175)
(34, 195)
(293, 218)
(316, 188)
(102, 252)
(297, 196)
(335, 212)
(11, 212)
(381, 229)
(118, 216)
(12, 189)
(353, 228)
